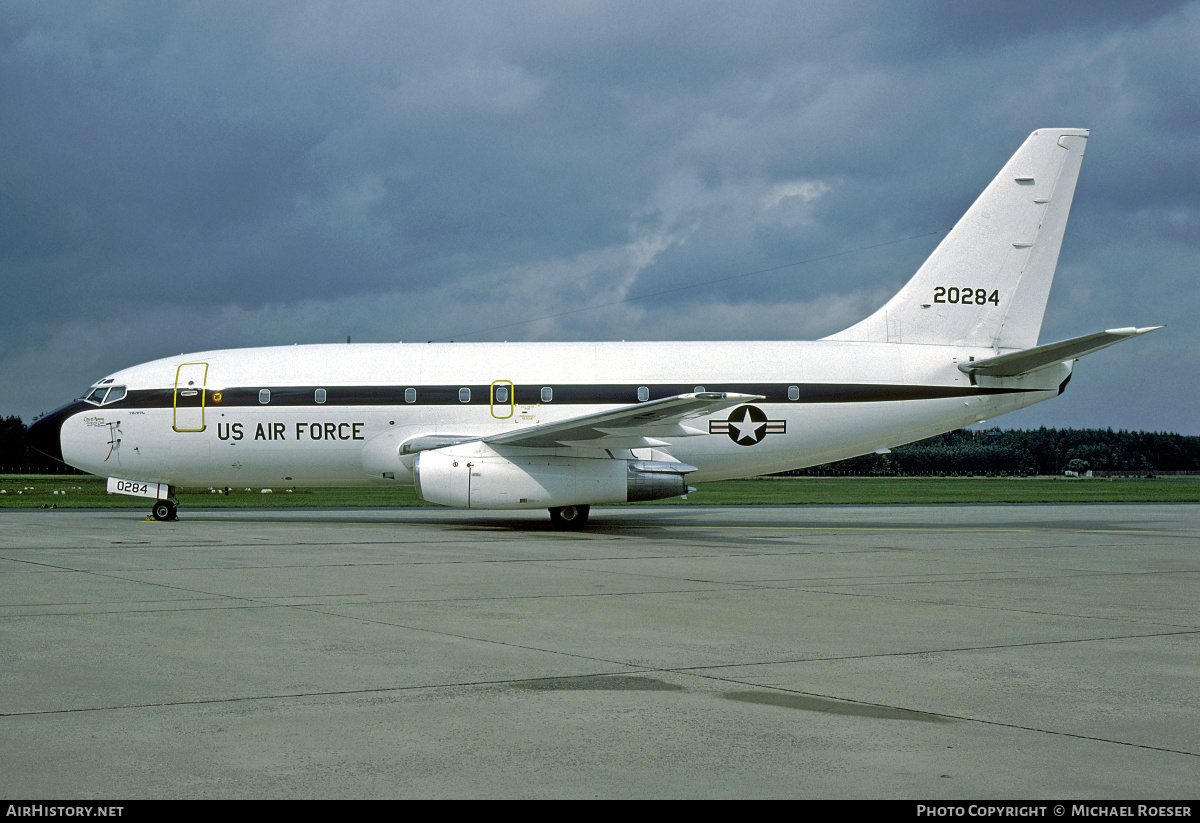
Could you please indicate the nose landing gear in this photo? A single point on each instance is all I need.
(165, 510)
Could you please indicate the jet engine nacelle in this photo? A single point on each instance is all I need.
(468, 479)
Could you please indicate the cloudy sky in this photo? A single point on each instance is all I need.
(184, 176)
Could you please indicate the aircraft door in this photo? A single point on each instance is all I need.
(190, 379)
(502, 399)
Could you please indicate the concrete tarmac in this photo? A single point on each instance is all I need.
(922, 652)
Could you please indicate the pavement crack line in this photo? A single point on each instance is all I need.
(984, 607)
(631, 670)
(702, 672)
(952, 717)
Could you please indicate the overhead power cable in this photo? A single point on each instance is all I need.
(685, 288)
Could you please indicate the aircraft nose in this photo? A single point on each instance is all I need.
(45, 434)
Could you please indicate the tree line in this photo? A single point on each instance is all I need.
(1017, 452)
(16, 457)
(1012, 452)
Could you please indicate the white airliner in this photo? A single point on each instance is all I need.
(562, 426)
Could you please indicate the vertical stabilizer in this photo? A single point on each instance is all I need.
(987, 282)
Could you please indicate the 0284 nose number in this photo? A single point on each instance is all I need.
(117, 485)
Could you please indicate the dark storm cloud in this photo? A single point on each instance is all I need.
(180, 176)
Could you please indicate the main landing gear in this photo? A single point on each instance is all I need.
(570, 517)
(165, 510)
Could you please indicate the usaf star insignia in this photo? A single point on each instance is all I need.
(747, 425)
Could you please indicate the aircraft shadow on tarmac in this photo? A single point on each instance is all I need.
(795, 702)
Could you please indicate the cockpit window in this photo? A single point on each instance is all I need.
(104, 394)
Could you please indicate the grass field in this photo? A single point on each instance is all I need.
(63, 491)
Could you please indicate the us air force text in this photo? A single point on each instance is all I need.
(302, 431)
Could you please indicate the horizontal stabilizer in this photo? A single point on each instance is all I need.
(1022, 362)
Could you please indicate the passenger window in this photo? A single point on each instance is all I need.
(698, 390)
(319, 395)
(793, 392)
(410, 395)
(264, 396)
(464, 395)
(643, 394)
(547, 394)
(502, 394)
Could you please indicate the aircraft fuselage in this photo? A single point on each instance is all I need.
(324, 415)
(568, 425)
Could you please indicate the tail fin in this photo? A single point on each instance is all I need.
(987, 282)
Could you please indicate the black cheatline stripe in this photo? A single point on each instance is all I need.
(564, 394)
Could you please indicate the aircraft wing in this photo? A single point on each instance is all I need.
(640, 425)
(635, 426)
(1021, 362)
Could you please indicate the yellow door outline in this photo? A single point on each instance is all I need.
(187, 390)
(505, 405)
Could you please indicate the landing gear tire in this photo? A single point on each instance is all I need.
(570, 517)
(164, 510)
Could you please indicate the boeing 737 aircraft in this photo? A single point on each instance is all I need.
(563, 426)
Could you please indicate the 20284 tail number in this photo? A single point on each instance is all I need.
(968, 296)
